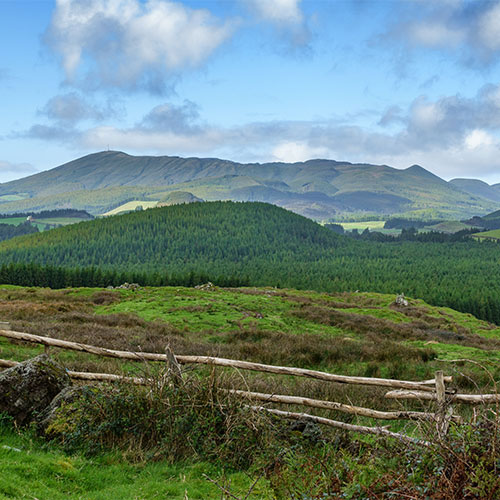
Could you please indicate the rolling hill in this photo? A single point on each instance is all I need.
(251, 243)
(319, 189)
(476, 187)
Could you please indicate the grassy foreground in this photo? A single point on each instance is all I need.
(120, 446)
(33, 469)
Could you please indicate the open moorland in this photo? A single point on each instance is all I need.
(364, 334)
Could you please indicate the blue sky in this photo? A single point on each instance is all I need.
(386, 82)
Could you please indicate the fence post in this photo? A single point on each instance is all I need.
(442, 420)
(173, 367)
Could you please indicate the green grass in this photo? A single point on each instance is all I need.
(131, 205)
(61, 220)
(488, 235)
(346, 333)
(361, 226)
(41, 223)
(33, 469)
(447, 227)
(14, 221)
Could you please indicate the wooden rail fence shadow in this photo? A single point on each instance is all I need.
(427, 390)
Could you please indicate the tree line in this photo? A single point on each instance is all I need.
(255, 244)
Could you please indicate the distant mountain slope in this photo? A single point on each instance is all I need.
(320, 189)
(476, 187)
(490, 221)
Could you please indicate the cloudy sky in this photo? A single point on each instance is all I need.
(396, 82)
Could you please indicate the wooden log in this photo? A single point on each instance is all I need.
(331, 405)
(208, 360)
(107, 377)
(378, 431)
(473, 399)
(446, 378)
(98, 377)
(6, 363)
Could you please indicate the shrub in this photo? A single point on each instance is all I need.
(163, 421)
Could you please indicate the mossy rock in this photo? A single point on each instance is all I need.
(28, 388)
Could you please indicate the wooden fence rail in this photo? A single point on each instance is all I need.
(425, 386)
(428, 390)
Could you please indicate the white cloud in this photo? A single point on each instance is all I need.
(478, 139)
(450, 136)
(292, 151)
(130, 43)
(468, 30)
(71, 108)
(278, 11)
(489, 28)
(10, 171)
(436, 35)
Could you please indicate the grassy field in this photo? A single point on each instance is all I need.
(372, 225)
(447, 227)
(343, 332)
(41, 223)
(488, 235)
(131, 205)
(347, 333)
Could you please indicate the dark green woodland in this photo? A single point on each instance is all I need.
(253, 244)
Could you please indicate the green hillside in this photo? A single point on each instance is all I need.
(319, 189)
(259, 244)
(479, 188)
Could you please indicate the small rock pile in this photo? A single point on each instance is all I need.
(125, 286)
(206, 286)
(401, 301)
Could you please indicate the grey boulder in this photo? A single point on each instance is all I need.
(28, 388)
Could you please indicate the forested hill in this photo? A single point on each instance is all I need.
(319, 189)
(197, 235)
(253, 244)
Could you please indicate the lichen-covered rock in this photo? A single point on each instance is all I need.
(48, 416)
(28, 388)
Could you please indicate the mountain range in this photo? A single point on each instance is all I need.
(319, 189)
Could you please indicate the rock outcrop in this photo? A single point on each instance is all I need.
(28, 388)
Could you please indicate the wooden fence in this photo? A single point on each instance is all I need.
(427, 390)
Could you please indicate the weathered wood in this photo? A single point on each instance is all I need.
(208, 360)
(7, 363)
(446, 378)
(98, 377)
(378, 431)
(75, 346)
(474, 399)
(5, 325)
(441, 426)
(331, 405)
(107, 377)
(173, 367)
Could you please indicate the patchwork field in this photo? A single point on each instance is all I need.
(130, 206)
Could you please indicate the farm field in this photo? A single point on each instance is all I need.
(494, 234)
(41, 223)
(131, 205)
(372, 225)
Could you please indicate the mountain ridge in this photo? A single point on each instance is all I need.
(318, 188)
